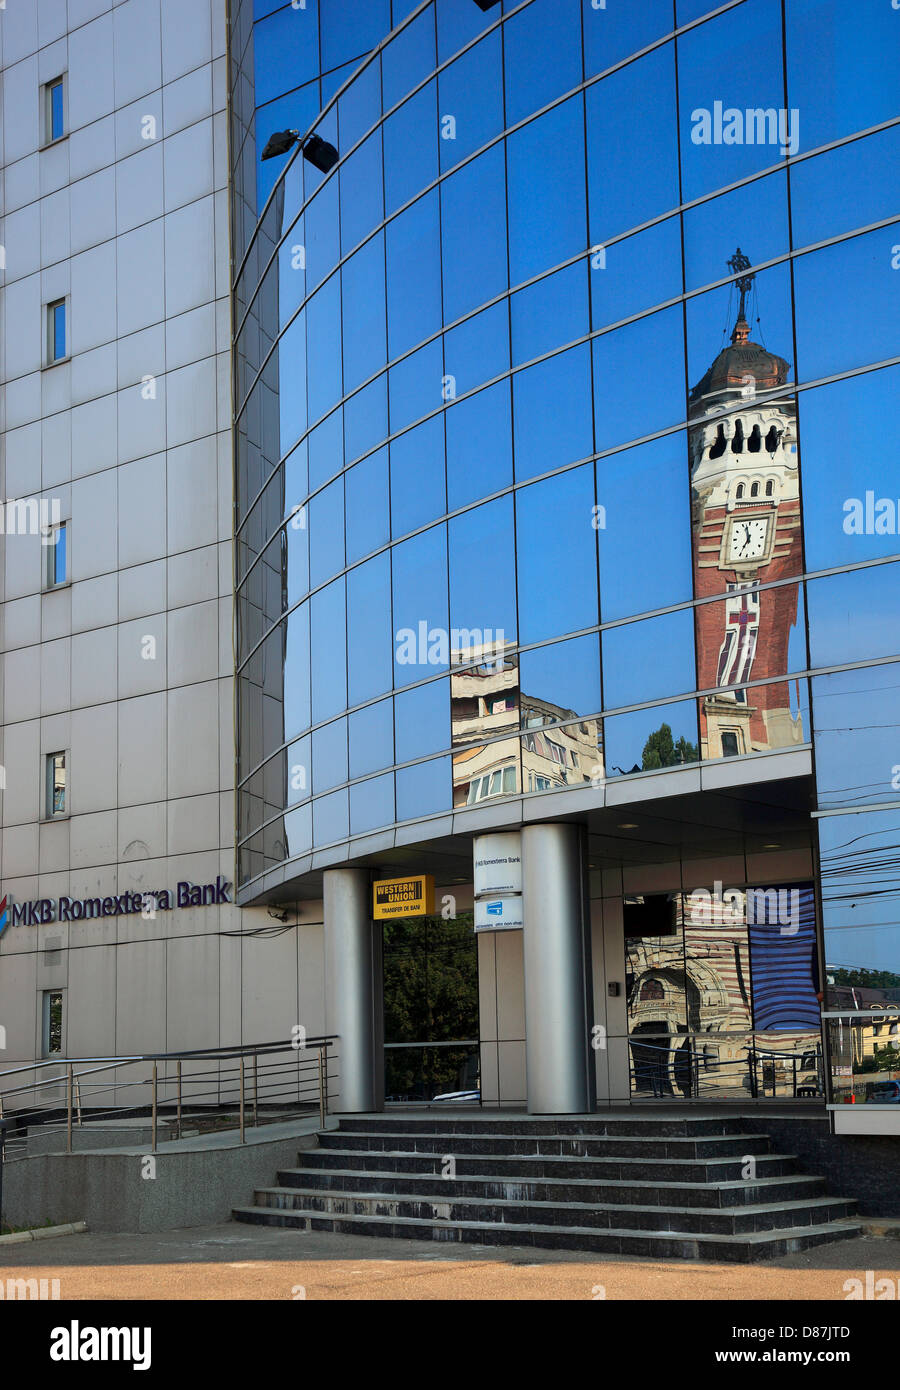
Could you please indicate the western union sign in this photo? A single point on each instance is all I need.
(403, 897)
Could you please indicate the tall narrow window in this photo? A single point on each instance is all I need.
(56, 330)
(51, 1022)
(57, 564)
(55, 796)
(54, 110)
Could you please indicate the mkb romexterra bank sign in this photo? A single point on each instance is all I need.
(147, 904)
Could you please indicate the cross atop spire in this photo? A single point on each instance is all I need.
(744, 282)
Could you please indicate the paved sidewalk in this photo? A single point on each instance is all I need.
(232, 1261)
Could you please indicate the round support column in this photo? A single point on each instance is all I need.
(557, 971)
(353, 989)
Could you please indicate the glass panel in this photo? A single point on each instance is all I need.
(550, 313)
(754, 217)
(369, 629)
(360, 106)
(545, 162)
(542, 51)
(631, 124)
(416, 385)
(856, 280)
(735, 122)
(857, 715)
(325, 447)
(648, 660)
(418, 480)
(479, 445)
(846, 188)
(552, 412)
(285, 51)
(372, 738)
(458, 22)
(477, 350)
(659, 528)
(861, 909)
(371, 804)
(57, 114)
(323, 319)
(842, 66)
(368, 505)
(853, 617)
(474, 258)
(326, 533)
(411, 148)
(295, 665)
(614, 32)
(323, 236)
(422, 721)
(756, 720)
(328, 632)
(636, 273)
(865, 1052)
(366, 418)
(349, 31)
(471, 101)
(414, 275)
(560, 681)
(645, 739)
(329, 753)
(408, 58)
(424, 789)
(362, 192)
(624, 407)
(421, 639)
(557, 553)
(739, 343)
(850, 512)
(331, 818)
(483, 579)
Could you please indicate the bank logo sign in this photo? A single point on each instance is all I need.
(41, 910)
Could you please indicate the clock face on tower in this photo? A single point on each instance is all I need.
(749, 539)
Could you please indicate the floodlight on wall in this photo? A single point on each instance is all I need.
(318, 151)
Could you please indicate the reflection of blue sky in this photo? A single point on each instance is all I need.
(853, 617)
(857, 718)
(660, 528)
(846, 304)
(833, 473)
(861, 893)
(649, 660)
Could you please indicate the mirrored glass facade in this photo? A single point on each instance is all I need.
(561, 413)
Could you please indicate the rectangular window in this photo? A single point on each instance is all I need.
(54, 110)
(55, 797)
(51, 1022)
(56, 538)
(56, 330)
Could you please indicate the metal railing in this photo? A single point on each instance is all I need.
(759, 1074)
(207, 1089)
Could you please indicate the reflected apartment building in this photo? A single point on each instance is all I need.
(515, 350)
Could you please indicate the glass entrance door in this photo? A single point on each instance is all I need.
(431, 1046)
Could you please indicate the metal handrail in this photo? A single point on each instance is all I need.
(217, 1078)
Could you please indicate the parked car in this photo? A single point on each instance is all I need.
(884, 1093)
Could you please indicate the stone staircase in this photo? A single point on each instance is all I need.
(626, 1184)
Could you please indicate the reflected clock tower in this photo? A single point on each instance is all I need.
(745, 496)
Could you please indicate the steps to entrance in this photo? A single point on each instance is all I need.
(689, 1187)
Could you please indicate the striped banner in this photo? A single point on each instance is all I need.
(782, 960)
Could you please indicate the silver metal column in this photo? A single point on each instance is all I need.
(557, 971)
(353, 989)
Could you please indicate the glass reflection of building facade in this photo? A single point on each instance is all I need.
(564, 497)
